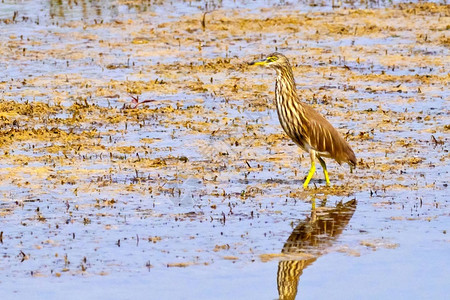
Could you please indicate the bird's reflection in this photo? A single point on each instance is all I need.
(308, 241)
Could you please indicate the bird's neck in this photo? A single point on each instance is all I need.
(285, 85)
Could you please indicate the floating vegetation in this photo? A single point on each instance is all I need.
(136, 142)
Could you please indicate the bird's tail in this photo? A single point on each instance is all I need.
(351, 158)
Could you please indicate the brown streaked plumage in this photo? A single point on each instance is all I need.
(305, 126)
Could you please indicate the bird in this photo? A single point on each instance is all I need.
(302, 123)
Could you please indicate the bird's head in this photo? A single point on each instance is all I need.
(274, 60)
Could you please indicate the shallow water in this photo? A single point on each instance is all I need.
(196, 193)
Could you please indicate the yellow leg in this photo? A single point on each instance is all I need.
(312, 170)
(325, 172)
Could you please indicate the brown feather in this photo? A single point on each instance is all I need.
(325, 138)
(305, 126)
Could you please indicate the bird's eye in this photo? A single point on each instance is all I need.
(271, 59)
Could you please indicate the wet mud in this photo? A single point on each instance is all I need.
(141, 156)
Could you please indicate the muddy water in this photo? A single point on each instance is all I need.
(198, 193)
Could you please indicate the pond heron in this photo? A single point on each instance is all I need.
(305, 126)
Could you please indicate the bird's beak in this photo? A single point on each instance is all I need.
(260, 62)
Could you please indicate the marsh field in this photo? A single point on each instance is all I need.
(142, 157)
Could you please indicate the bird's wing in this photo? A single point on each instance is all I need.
(324, 138)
